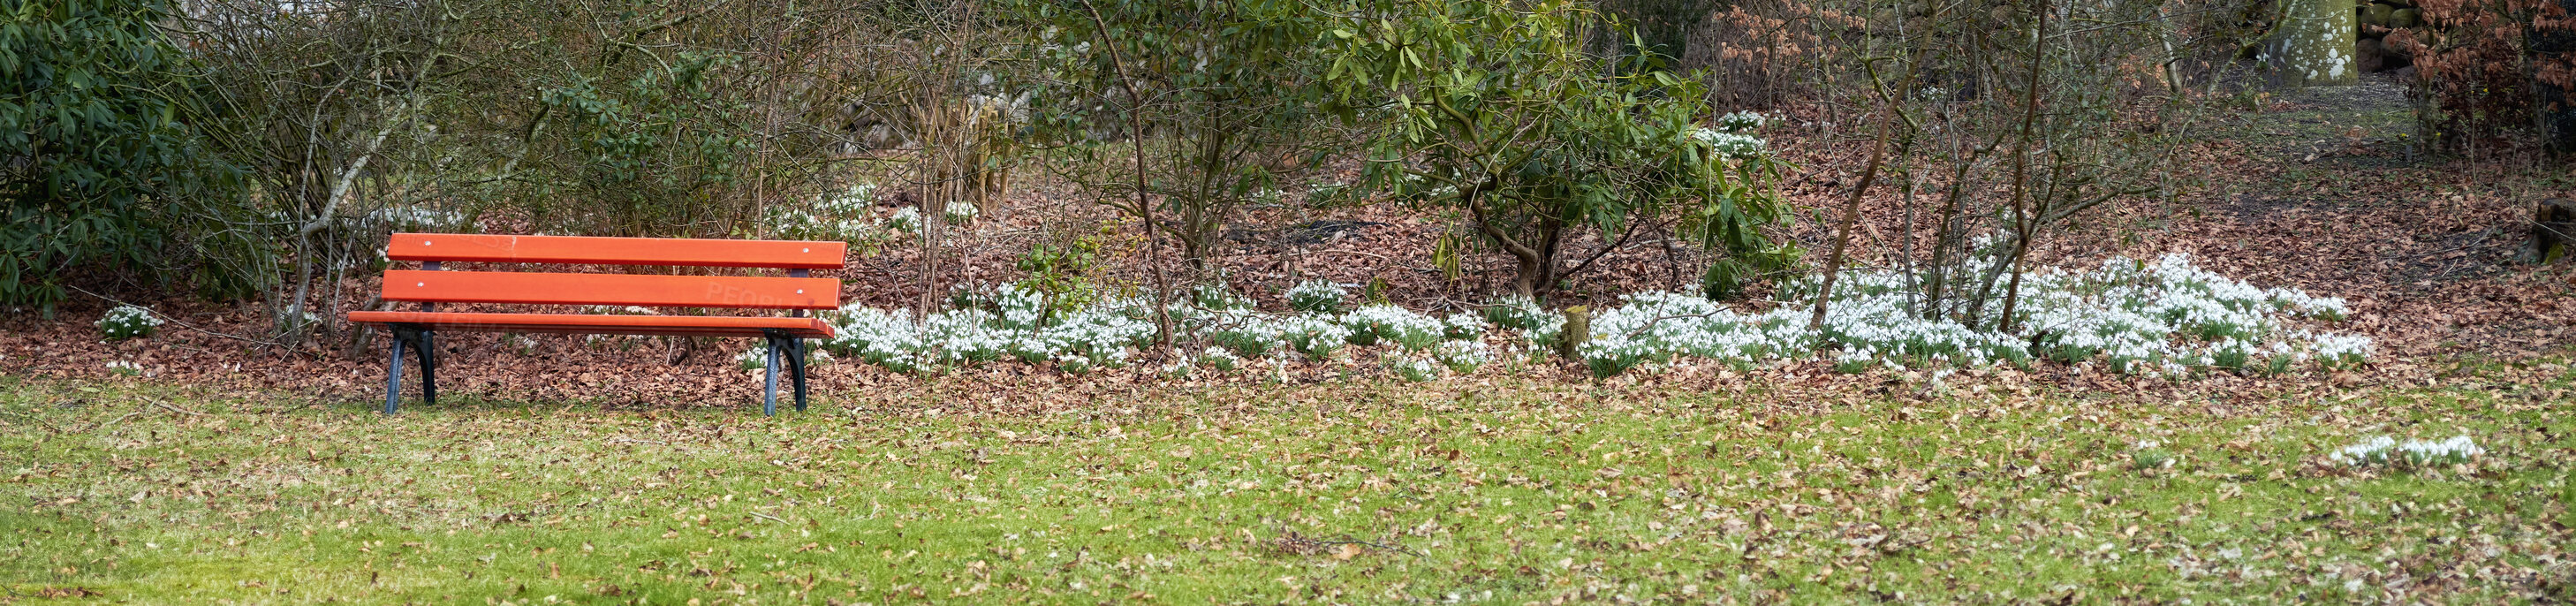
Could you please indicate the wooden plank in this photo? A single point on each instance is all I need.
(540, 288)
(691, 326)
(789, 254)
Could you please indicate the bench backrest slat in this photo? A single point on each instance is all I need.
(539, 288)
(788, 254)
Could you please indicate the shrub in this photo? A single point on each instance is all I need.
(102, 163)
(1503, 114)
(2479, 65)
(1227, 88)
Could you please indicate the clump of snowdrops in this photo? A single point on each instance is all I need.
(128, 322)
(2162, 317)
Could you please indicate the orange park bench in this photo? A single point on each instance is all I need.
(431, 285)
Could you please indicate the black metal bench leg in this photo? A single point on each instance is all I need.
(393, 375)
(423, 342)
(796, 368)
(426, 344)
(769, 393)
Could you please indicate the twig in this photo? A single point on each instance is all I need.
(169, 407)
(767, 517)
(1851, 207)
(113, 421)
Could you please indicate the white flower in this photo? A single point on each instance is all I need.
(960, 212)
(128, 321)
(2162, 317)
(414, 217)
(756, 358)
(1315, 296)
(906, 219)
(1463, 357)
(1742, 121)
(1730, 145)
(2384, 450)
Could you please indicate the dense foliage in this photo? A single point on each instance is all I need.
(100, 153)
(1502, 113)
(2492, 72)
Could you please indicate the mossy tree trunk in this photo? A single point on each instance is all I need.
(2312, 45)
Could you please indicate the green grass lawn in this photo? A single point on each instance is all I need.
(1492, 491)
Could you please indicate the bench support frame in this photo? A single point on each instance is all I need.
(423, 341)
(792, 348)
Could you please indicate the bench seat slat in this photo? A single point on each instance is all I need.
(689, 326)
(495, 248)
(538, 288)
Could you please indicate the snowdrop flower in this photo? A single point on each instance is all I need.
(906, 219)
(1414, 369)
(1220, 359)
(414, 217)
(1463, 357)
(2458, 448)
(1730, 145)
(2163, 317)
(756, 358)
(1380, 322)
(1742, 121)
(128, 321)
(1315, 296)
(960, 212)
(2384, 450)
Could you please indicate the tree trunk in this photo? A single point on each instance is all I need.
(1525, 279)
(2312, 45)
(2553, 232)
(2555, 47)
